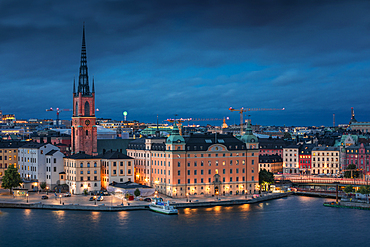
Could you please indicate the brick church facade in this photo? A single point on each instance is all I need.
(83, 130)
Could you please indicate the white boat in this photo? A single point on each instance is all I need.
(159, 206)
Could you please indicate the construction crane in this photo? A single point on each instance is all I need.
(242, 110)
(179, 122)
(58, 111)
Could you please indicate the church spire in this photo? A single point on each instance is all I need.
(83, 80)
(74, 85)
(93, 86)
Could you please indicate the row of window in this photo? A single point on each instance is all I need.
(324, 165)
(115, 172)
(323, 154)
(6, 157)
(6, 151)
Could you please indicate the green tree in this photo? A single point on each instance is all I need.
(43, 185)
(265, 178)
(11, 178)
(137, 192)
(351, 174)
(348, 189)
(365, 190)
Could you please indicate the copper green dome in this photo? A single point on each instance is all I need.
(175, 136)
(248, 137)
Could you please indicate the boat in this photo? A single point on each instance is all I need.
(157, 205)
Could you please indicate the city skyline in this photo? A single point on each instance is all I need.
(188, 58)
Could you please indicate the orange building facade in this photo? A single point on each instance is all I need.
(201, 164)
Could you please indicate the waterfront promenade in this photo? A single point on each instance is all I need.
(112, 203)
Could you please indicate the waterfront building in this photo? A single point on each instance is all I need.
(210, 164)
(271, 163)
(32, 160)
(8, 155)
(116, 167)
(358, 155)
(54, 166)
(82, 172)
(290, 160)
(83, 130)
(325, 160)
(305, 159)
(141, 150)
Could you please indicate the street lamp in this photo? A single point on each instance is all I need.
(60, 197)
(27, 197)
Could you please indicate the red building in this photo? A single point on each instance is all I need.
(271, 146)
(304, 159)
(83, 130)
(359, 156)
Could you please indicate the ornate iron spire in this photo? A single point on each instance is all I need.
(83, 80)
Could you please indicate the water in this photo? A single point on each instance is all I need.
(293, 221)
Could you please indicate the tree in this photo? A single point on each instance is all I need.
(365, 190)
(43, 185)
(265, 178)
(137, 192)
(351, 174)
(11, 178)
(348, 189)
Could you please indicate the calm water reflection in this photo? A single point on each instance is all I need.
(294, 221)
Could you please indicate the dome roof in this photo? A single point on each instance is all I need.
(175, 136)
(248, 137)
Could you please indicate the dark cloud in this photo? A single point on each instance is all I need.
(193, 58)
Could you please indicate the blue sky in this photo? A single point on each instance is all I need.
(191, 58)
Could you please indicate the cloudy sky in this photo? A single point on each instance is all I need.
(191, 58)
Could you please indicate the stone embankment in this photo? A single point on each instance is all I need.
(141, 207)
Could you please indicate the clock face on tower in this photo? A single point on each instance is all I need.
(87, 122)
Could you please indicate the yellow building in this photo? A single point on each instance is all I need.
(116, 167)
(8, 155)
(82, 172)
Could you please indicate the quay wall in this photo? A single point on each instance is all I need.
(140, 207)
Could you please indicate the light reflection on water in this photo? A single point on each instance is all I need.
(264, 224)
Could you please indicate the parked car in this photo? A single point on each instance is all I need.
(67, 194)
(147, 199)
(92, 198)
(100, 198)
(44, 197)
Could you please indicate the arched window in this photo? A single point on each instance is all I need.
(87, 132)
(76, 111)
(87, 109)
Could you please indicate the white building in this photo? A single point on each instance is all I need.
(54, 165)
(290, 159)
(325, 160)
(32, 160)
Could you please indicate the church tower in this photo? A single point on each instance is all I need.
(83, 130)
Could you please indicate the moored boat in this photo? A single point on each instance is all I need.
(157, 205)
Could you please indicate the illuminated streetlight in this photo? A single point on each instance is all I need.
(27, 197)
(60, 196)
